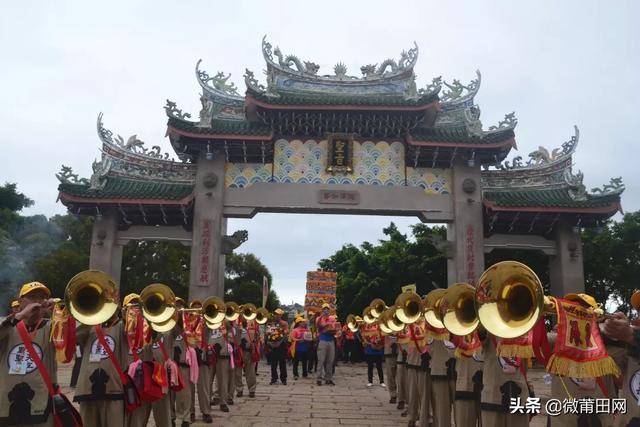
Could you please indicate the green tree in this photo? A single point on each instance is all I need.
(379, 271)
(11, 199)
(243, 281)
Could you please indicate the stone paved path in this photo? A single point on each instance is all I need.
(302, 403)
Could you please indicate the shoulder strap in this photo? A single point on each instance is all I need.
(163, 350)
(26, 339)
(112, 357)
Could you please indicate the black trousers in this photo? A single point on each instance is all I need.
(278, 360)
(312, 359)
(301, 356)
(377, 359)
(349, 349)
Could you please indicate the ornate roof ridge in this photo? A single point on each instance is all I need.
(542, 158)
(133, 146)
(370, 72)
(459, 94)
(219, 87)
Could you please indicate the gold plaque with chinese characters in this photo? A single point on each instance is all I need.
(340, 153)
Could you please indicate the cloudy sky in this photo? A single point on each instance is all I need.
(555, 64)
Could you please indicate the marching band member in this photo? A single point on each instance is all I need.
(374, 351)
(442, 378)
(348, 345)
(619, 328)
(276, 336)
(161, 408)
(401, 375)
(313, 346)
(249, 342)
(502, 379)
(24, 397)
(185, 356)
(417, 364)
(579, 348)
(326, 345)
(100, 390)
(221, 339)
(469, 364)
(301, 339)
(391, 365)
(202, 388)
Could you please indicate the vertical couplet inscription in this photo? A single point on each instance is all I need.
(471, 257)
(205, 241)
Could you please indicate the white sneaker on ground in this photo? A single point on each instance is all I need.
(383, 385)
(369, 384)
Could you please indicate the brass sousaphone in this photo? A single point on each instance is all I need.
(262, 316)
(377, 307)
(459, 314)
(92, 297)
(158, 303)
(408, 307)
(509, 299)
(432, 309)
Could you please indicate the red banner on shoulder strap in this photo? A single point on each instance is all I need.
(112, 357)
(26, 339)
(540, 342)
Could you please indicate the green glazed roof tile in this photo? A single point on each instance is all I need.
(337, 99)
(231, 127)
(547, 198)
(124, 188)
(459, 134)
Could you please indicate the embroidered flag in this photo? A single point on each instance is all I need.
(579, 351)
(516, 347)
(467, 345)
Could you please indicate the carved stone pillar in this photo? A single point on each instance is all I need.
(207, 228)
(105, 253)
(223, 264)
(566, 268)
(467, 229)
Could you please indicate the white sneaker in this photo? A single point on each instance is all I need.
(369, 384)
(383, 385)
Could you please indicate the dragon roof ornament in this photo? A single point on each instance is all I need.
(291, 64)
(542, 158)
(217, 85)
(457, 93)
(132, 145)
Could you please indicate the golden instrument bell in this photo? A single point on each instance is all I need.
(92, 297)
(158, 303)
(262, 315)
(232, 311)
(377, 307)
(509, 299)
(459, 311)
(214, 309)
(352, 323)
(367, 315)
(431, 306)
(408, 307)
(248, 311)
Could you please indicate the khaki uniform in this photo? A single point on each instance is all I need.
(391, 364)
(24, 398)
(502, 380)
(630, 391)
(402, 376)
(417, 375)
(581, 388)
(220, 338)
(203, 388)
(468, 386)
(160, 408)
(139, 417)
(182, 397)
(442, 382)
(248, 342)
(99, 391)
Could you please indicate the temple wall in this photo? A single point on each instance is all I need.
(304, 162)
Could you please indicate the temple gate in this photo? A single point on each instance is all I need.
(308, 143)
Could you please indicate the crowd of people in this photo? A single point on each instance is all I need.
(125, 371)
